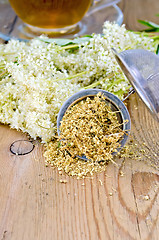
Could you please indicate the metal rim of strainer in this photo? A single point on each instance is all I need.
(114, 100)
(137, 81)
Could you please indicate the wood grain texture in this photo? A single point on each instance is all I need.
(119, 204)
(139, 9)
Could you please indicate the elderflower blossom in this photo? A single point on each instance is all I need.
(40, 78)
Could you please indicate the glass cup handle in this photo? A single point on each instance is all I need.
(100, 4)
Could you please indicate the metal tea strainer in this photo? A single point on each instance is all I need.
(110, 99)
(141, 67)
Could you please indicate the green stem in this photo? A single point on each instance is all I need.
(70, 77)
(42, 126)
(70, 46)
(2, 65)
(94, 84)
(1, 74)
(128, 47)
(155, 37)
(109, 86)
(7, 53)
(146, 34)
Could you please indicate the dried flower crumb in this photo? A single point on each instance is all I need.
(121, 173)
(101, 183)
(63, 181)
(114, 189)
(146, 197)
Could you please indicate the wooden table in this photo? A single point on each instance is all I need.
(121, 203)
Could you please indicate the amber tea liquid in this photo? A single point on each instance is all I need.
(50, 14)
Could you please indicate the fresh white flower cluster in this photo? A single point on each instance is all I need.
(40, 76)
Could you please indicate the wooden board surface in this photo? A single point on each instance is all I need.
(119, 204)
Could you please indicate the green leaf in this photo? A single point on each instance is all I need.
(157, 51)
(65, 42)
(81, 40)
(58, 41)
(151, 30)
(149, 24)
(88, 35)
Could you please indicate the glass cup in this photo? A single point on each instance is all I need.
(55, 16)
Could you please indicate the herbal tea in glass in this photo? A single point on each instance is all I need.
(50, 15)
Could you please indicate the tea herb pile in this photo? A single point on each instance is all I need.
(92, 129)
(60, 158)
(37, 77)
(88, 128)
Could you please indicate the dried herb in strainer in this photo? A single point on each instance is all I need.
(88, 128)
